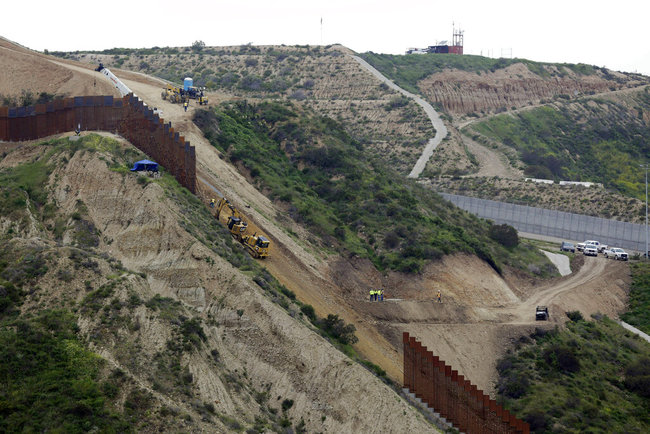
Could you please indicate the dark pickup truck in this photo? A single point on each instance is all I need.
(541, 313)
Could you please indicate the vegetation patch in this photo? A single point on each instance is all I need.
(638, 313)
(589, 140)
(356, 204)
(48, 381)
(19, 266)
(590, 377)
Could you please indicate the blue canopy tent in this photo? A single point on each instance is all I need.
(145, 165)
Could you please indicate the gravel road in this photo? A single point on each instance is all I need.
(441, 130)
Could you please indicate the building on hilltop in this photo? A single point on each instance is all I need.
(456, 46)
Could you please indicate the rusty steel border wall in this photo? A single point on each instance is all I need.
(454, 397)
(128, 116)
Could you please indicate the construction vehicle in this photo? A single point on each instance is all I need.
(237, 227)
(235, 224)
(121, 87)
(173, 94)
(257, 245)
(202, 100)
(541, 313)
(196, 93)
(176, 95)
(221, 204)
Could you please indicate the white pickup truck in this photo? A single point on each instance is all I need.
(581, 246)
(590, 249)
(616, 253)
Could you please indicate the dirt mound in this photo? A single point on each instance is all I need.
(23, 69)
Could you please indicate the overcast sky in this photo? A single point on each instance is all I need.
(614, 34)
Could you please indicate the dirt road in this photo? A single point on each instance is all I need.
(441, 130)
(474, 336)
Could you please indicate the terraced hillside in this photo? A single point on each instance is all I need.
(324, 79)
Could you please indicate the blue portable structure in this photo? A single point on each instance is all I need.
(187, 83)
(145, 165)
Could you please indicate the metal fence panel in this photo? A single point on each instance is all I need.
(553, 223)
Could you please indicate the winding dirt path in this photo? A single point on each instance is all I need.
(441, 130)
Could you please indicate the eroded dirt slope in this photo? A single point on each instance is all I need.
(462, 92)
(23, 69)
(253, 350)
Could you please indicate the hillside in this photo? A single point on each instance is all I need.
(324, 79)
(27, 76)
(260, 320)
(180, 334)
(513, 118)
(593, 375)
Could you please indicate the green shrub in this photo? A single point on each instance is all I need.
(309, 311)
(637, 377)
(505, 235)
(562, 358)
(192, 332)
(336, 328)
(575, 316)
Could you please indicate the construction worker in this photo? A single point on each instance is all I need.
(439, 297)
(211, 203)
(372, 294)
(381, 295)
(185, 105)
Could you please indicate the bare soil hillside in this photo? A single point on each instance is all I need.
(253, 356)
(23, 69)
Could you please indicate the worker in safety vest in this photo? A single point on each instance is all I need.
(185, 105)
(211, 203)
(439, 297)
(372, 294)
(381, 295)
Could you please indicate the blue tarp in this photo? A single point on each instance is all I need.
(147, 165)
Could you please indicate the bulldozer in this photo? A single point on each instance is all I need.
(257, 245)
